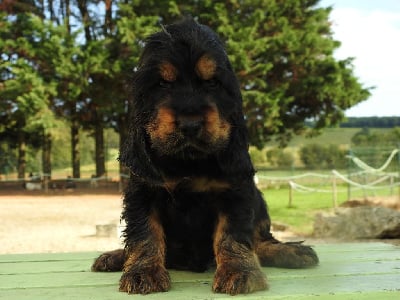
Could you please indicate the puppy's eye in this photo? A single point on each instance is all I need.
(165, 84)
(212, 83)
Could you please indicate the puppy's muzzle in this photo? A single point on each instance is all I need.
(190, 127)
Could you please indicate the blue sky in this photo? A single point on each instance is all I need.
(369, 31)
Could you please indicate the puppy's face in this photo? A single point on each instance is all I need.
(185, 90)
(187, 120)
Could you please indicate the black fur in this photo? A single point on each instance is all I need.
(191, 199)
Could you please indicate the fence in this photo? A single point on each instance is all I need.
(368, 180)
(42, 182)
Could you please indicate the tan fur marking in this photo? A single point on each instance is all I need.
(219, 235)
(238, 268)
(158, 234)
(228, 250)
(218, 128)
(170, 184)
(163, 125)
(168, 72)
(144, 269)
(151, 251)
(203, 184)
(206, 67)
(197, 184)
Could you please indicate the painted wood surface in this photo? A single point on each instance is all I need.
(346, 271)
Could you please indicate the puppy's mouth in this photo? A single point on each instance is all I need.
(188, 136)
(185, 147)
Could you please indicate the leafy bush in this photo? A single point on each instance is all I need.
(317, 156)
(256, 156)
(277, 157)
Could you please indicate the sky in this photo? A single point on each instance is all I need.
(369, 31)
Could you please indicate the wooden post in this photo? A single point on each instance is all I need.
(391, 184)
(46, 183)
(364, 184)
(290, 194)
(334, 191)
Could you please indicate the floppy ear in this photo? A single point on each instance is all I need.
(134, 152)
(235, 159)
(135, 156)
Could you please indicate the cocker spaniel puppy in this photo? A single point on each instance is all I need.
(191, 199)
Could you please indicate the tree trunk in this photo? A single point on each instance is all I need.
(21, 154)
(123, 135)
(108, 25)
(82, 6)
(75, 152)
(46, 155)
(99, 140)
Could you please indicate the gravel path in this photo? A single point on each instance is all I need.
(57, 223)
(62, 223)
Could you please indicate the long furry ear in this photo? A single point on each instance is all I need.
(134, 152)
(235, 160)
(135, 156)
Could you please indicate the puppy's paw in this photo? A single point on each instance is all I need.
(286, 255)
(112, 261)
(235, 281)
(145, 281)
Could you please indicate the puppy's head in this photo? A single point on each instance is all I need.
(186, 100)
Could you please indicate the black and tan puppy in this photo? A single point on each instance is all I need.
(191, 199)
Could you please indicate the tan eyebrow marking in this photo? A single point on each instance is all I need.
(168, 72)
(206, 67)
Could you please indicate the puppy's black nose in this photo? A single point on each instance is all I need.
(190, 127)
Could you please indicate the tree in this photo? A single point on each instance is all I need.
(82, 53)
(27, 86)
(282, 52)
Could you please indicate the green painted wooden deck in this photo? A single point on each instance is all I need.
(346, 271)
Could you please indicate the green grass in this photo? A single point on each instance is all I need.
(337, 136)
(300, 217)
(112, 167)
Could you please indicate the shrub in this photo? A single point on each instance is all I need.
(317, 156)
(256, 156)
(279, 158)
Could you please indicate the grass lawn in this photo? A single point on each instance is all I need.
(300, 217)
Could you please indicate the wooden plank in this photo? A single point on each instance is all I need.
(346, 271)
(48, 257)
(364, 262)
(87, 278)
(280, 289)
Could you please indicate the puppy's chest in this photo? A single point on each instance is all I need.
(196, 184)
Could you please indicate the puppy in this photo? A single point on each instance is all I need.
(191, 200)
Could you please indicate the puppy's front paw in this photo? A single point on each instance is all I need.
(112, 261)
(236, 281)
(286, 255)
(145, 281)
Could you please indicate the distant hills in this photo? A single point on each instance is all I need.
(371, 122)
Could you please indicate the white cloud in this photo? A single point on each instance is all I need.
(372, 37)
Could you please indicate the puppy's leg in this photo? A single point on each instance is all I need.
(144, 268)
(238, 270)
(111, 261)
(273, 253)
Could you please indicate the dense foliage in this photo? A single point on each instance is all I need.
(371, 122)
(71, 60)
(317, 156)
